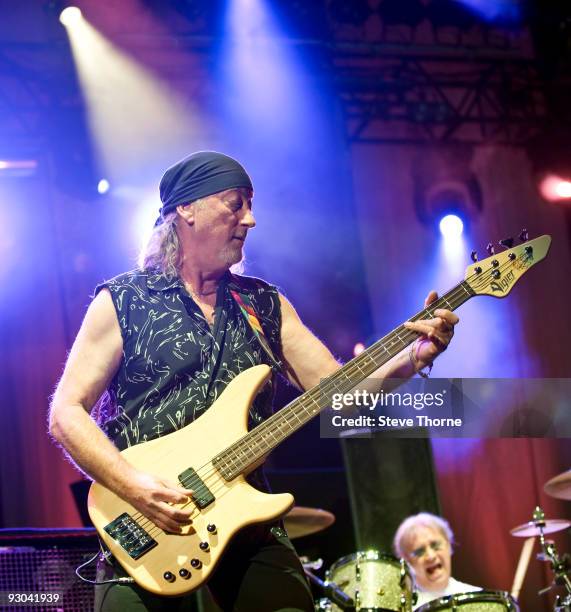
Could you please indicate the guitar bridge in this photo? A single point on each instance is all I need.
(130, 536)
(202, 495)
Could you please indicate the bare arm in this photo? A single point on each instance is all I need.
(92, 363)
(308, 360)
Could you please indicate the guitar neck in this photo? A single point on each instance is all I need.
(256, 444)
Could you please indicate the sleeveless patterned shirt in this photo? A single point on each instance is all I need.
(174, 364)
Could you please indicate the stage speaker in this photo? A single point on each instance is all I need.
(44, 561)
(388, 480)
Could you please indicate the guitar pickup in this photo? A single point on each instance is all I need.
(130, 536)
(202, 495)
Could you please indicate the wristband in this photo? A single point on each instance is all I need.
(414, 362)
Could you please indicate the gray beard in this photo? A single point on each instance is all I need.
(231, 255)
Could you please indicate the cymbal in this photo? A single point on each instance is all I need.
(559, 486)
(530, 529)
(301, 521)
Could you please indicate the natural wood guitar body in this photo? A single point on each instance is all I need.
(236, 503)
(221, 451)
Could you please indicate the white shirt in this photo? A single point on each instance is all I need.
(453, 588)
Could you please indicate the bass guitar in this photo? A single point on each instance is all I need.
(215, 466)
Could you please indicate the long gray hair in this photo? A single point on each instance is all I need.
(162, 250)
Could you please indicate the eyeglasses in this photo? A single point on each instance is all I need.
(435, 546)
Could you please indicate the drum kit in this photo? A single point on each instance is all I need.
(378, 582)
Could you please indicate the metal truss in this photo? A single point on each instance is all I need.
(432, 98)
(389, 94)
(36, 83)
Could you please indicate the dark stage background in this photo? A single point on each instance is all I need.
(345, 228)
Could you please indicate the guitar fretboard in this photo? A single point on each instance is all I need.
(256, 444)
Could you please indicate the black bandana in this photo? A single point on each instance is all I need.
(199, 175)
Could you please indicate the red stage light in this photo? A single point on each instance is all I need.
(554, 188)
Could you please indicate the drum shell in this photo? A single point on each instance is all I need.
(375, 581)
(475, 601)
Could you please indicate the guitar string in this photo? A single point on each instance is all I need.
(452, 294)
(342, 386)
(205, 477)
(347, 385)
(458, 290)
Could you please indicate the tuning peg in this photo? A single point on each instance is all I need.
(474, 256)
(490, 249)
(523, 235)
(507, 243)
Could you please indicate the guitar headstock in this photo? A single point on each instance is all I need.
(496, 275)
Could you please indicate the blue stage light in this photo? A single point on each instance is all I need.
(451, 226)
(103, 186)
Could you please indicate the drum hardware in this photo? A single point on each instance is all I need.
(541, 556)
(311, 565)
(562, 605)
(560, 565)
(403, 572)
(404, 576)
(332, 592)
(482, 601)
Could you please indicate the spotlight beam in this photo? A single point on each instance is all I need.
(70, 16)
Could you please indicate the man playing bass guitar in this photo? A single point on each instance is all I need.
(157, 347)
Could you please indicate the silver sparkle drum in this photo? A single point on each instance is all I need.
(478, 601)
(376, 581)
(563, 605)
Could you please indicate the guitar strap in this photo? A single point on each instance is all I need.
(247, 309)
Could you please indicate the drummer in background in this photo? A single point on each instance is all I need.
(425, 542)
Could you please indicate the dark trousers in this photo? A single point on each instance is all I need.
(260, 572)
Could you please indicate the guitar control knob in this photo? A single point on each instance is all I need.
(496, 274)
(495, 263)
(211, 528)
(477, 270)
(169, 576)
(511, 256)
(529, 249)
(196, 563)
(204, 546)
(184, 573)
